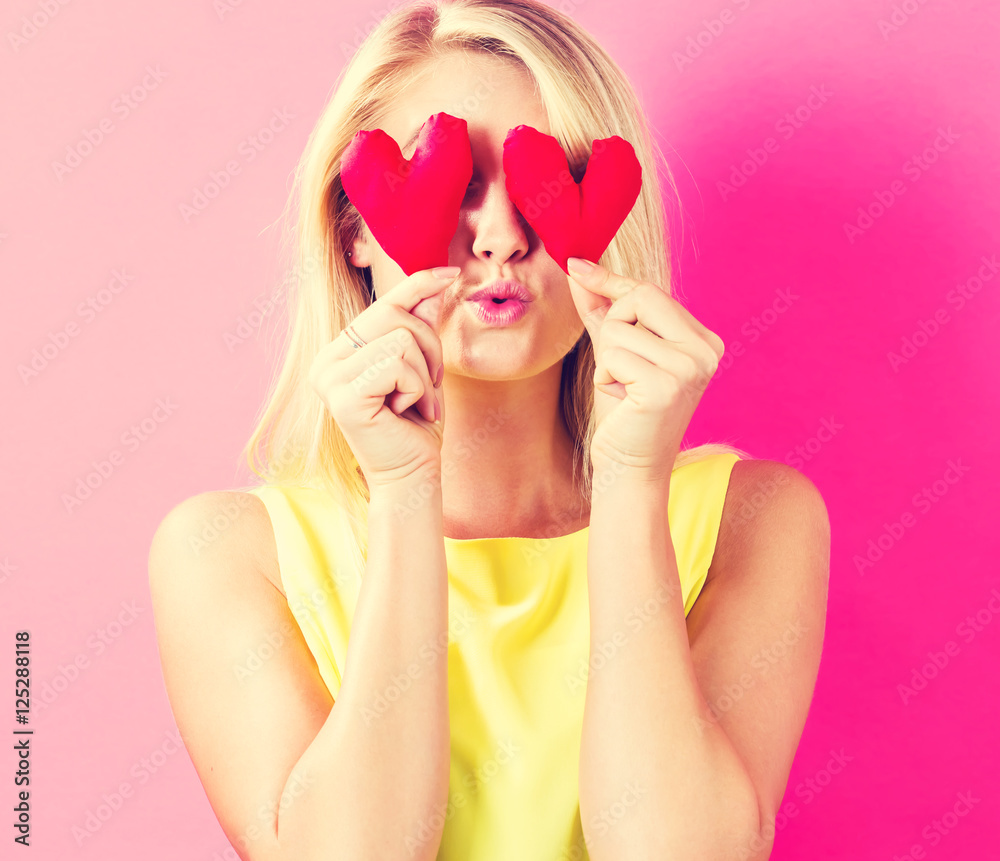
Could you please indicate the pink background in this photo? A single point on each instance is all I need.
(807, 379)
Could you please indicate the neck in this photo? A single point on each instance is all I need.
(507, 459)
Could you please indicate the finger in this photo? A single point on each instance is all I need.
(649, 309)
(428, 343)
(425, 402)
(398, 344)
(429, 310)
(428, 307)
(600, 280)
(393, 380)
(408, 294)
(420, 285)
(340, 384)
(594, 289)
(695, 371)
(385, 317)
(414, 357)
(336, 365)
(620, 368)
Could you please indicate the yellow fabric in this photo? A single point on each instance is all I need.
(518, 651)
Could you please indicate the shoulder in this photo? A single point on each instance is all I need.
(223, 531)
(769, 507)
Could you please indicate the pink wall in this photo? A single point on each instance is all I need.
(811, 295)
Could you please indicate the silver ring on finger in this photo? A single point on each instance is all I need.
(356, 339)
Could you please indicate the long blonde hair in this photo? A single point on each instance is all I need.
(587, 97)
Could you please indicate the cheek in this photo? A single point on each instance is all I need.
(565, 317)
(566, 304)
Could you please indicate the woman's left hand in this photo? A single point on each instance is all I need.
(654, 361)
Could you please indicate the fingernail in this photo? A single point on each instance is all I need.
(579, 265)
(446, 273)
(437, 411)
(439, 377)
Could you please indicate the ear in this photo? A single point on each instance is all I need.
(359, 248)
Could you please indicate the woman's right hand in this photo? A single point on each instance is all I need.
(382, 394)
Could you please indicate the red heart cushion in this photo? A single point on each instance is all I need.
(572, 219)
(411, 206)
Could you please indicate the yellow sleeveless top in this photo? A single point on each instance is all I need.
(518, 654)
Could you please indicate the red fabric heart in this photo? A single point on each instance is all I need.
(572, 219)
(411, 206)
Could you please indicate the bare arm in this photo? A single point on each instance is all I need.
(652, 784)
(701, 784)
(290, 774)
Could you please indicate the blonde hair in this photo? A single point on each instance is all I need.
(587, 97)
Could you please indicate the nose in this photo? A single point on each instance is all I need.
(500, 230)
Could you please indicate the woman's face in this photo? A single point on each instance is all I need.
(493, 241)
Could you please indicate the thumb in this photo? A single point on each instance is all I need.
(429, 310)
(592, 308)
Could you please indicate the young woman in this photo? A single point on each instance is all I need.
(483, 605)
